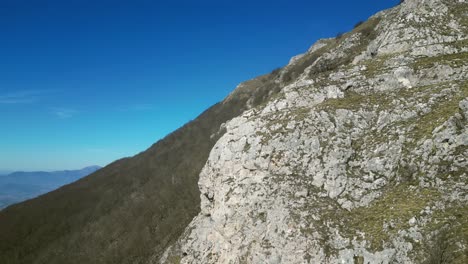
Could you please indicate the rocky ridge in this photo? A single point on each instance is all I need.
(359, 157)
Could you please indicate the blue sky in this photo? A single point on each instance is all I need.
(86, 82)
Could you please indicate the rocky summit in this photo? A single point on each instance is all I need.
(358, 155)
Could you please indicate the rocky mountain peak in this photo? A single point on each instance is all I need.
(358, 154)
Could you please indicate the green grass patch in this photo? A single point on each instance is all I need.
(455, 60)
(396, 206)
(440, 113)
(450, 234)
(376, 65)
(459, 44)
(460, 12)
(279, 122)
(173, 260)
(355, 101)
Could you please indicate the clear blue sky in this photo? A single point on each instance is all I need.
(86, 82)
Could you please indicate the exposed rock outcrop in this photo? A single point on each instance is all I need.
(361, 157)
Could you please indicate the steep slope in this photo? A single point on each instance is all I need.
(361, 157)
(132, 208)
(19, 186)
(355, 152)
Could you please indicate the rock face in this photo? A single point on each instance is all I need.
(361, 157)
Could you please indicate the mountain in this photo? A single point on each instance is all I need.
(354, 152)
(19, 186)
(132, 209)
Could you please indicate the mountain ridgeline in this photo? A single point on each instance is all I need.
(19, 186)
(354, 152)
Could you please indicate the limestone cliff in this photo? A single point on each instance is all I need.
(360, 157)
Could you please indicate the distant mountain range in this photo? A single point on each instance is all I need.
(19, 186)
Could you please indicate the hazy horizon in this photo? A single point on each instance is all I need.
(7, 172)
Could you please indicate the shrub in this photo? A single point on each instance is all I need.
(358, 24)
(276, 71)
(440, 250)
